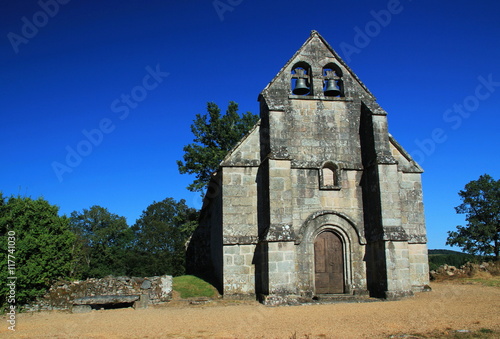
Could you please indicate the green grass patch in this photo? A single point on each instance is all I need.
(493, 281)
(190, 286)
(483, 333)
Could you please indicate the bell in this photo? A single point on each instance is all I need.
(332, 90)
(300, 87)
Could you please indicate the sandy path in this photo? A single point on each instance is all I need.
(448, 306)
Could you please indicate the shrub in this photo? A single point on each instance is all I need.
(39, 245)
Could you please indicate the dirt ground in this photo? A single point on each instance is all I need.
(448, 307)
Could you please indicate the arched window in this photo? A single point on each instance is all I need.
(333, 86)
(329, 176)
(301, 79)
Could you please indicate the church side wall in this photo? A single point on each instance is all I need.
(419, 266)
(413, 221)
(239, 190)
(412, 206)
(215, 223)
(240, 231)
(204, 252)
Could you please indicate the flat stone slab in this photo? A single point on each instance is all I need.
(106, 299)
(81, 309)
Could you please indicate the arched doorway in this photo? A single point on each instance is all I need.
(329, 263)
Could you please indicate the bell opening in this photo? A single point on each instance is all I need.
(300, 79)
(333, 81)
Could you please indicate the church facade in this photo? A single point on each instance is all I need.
(318, 199)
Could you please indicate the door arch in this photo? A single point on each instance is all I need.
(329, 263)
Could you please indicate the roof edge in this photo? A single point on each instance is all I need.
(242, 140)
(404, 153)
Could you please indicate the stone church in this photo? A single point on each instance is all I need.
(318, 199)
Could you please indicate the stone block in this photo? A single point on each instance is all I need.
(245, 249)
(277, 279)
(238, 260)
(236, 270)
(233, 191)
(249, 259)
(286, 267)
(234, 249)
(106, 299)
(235, 179)
(247, 204)
(166, 287)
(272, 267)
(289, 256)
(81, 309)
(142, 302)
(277, 185)
(249, 180)
(275, 256)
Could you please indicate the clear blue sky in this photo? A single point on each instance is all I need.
(70, 69)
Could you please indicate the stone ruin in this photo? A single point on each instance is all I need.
(63, 295)
(467, 270)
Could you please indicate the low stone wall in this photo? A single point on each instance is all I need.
(467, 270)
(62, 294)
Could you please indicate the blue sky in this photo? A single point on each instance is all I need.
(118, 83)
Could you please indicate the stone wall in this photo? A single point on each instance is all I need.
(239, 189)
(467, 270)
(419, 266)
(61, 294)
(282, 271)
(398, 269)
(204, 255)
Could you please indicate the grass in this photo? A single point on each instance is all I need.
(483, 333)
(492, 282)
(189, 286)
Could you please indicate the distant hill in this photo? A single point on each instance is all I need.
(445, 252)
(441, 257)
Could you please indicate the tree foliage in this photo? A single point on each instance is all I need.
(160, 236)
(481, 205)
(214, 136)
(42, 250)
(45, 247)
(456, 259)
(103, 240)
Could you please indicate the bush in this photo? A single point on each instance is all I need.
(39, 245)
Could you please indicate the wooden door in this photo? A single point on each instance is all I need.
(329, 263)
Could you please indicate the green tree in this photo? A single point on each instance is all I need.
(40, 245)
(481, 205)
(214, 136)
(104, 239)
(161, 234)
